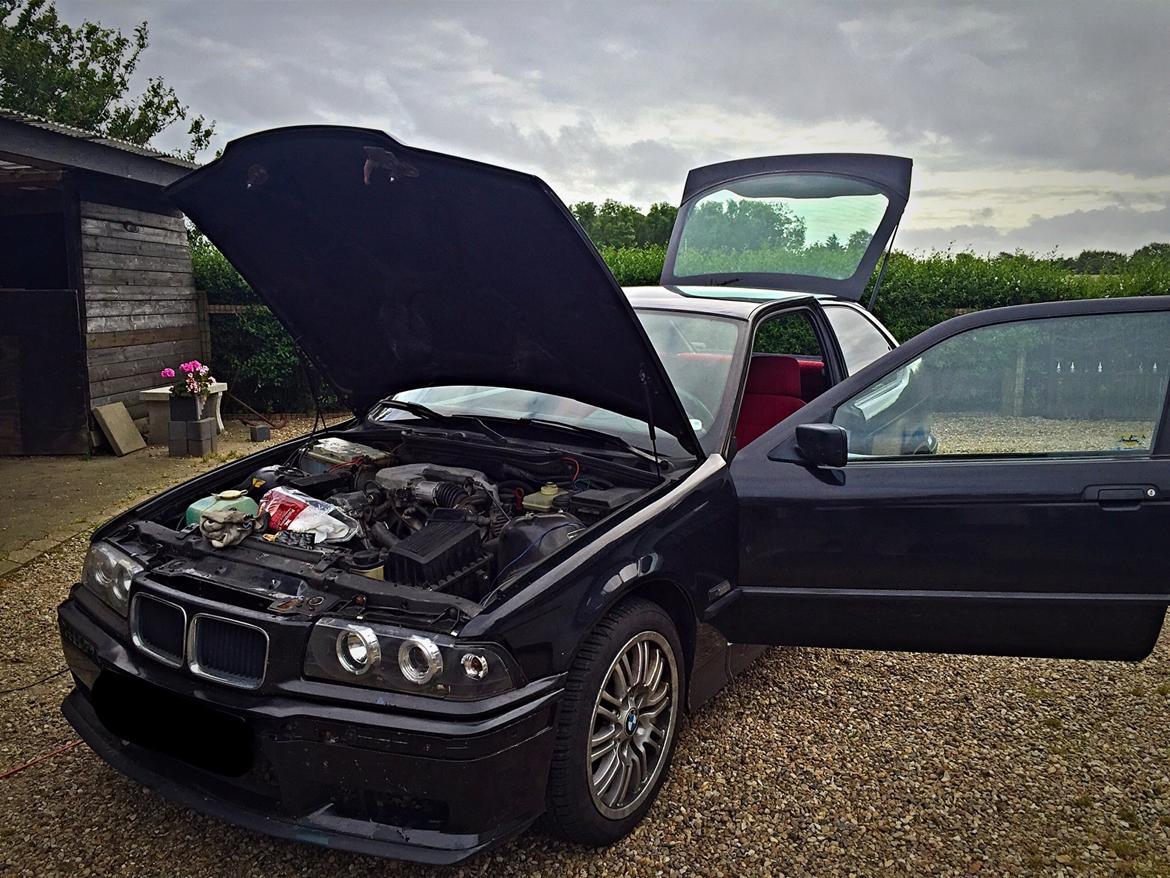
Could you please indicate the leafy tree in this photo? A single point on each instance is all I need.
(657, 224)
(615, 224)
(80, 75)
(1097, 262)
(1156, 253)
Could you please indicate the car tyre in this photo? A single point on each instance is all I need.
(616, 727)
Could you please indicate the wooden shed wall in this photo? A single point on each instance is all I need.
(141, 312)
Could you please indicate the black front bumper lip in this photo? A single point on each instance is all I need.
(319, 828)
(487, 773)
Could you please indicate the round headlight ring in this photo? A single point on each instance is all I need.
(419, 659)
(358, 649)
(120, 581)
(475, 665)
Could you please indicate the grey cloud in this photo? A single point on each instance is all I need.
(1115, 227)
(555, 87)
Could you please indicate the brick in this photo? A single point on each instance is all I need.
(204, 428)
(201, 447)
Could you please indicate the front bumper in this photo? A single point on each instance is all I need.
(401, 784)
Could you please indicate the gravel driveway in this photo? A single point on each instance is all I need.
(812, 763)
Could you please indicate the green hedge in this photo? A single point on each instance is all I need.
(256, 357)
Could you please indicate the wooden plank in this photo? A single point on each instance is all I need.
(148, 365)
(136, 307)
(148, 219)
(131, 262)
(168, 353)
(138, 381)
(131, 232)
(129, 398)
(236, 309)
(139, 321)
(126, 337)
(123, 293)
(102, 244)
(138, 278)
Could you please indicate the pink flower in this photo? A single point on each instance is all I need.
(168, 372)
(195, 365)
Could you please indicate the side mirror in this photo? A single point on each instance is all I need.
(823, 444)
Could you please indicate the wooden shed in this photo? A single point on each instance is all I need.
(96, 289)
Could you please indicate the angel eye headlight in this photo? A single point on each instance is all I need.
(419, 659)
(363, 652)
(358, 649)
(108, 572)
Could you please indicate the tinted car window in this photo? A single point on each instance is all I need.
(1086, 385)
(861, 341)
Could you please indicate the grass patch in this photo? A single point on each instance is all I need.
(1129, 815)
(1037, 693)
(1124, 848)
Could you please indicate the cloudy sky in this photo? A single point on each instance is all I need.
(1032, 125)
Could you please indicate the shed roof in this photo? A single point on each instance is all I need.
(31, 142)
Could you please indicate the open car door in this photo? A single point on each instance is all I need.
(1005, 491)
(800, 223)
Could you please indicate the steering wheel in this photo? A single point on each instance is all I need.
(692, 404)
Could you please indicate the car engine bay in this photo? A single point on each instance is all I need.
(417, 513)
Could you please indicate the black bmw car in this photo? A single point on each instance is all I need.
(564, 515)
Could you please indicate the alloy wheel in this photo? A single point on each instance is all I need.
(633, 720)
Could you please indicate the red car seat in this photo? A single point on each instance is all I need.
(772, 394)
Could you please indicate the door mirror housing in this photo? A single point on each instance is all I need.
(823, 444)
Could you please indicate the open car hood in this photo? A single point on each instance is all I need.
(396, 268)
(799, 223)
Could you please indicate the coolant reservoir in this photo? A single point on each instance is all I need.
(544, 499)
(223, 501)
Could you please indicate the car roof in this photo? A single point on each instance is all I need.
(737, 302)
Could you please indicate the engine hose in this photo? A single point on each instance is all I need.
(446, 494)
(380, 533)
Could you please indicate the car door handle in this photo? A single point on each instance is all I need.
(1121, 496)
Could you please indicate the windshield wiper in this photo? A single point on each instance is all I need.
(607, 438)
(429, 414)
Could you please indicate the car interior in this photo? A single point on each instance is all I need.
(787, 370)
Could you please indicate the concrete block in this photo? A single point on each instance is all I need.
(204, 428)
(176, 430)
(260, 432)
(117, 426)
(177, 447)
(201, 447)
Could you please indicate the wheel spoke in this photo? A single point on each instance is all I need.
(655, 674)
(605, 736)
(604, 777)
(642, 763)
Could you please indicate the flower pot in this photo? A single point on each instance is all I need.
(186, 408)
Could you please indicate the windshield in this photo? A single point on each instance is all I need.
(815, 225)
(697, 351)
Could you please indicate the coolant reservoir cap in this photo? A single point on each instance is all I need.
(549, 489)
(229, 495)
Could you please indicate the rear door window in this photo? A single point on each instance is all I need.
(861, 341)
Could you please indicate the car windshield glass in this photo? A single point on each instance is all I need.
(697, 351)
(815, 225)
